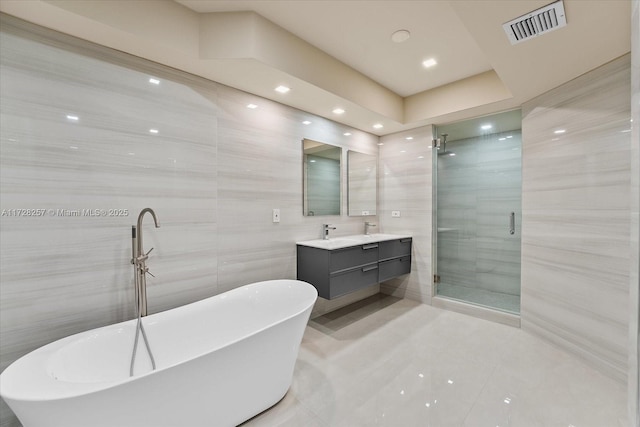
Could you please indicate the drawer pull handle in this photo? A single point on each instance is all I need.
(373, 267)
(371, 246)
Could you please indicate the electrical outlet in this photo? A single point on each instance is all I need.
(395, 214)
(276, 215)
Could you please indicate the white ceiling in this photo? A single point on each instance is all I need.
(358, 33)
(340, 54)
(464, 36)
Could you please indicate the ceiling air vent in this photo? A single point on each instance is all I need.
(536, 23)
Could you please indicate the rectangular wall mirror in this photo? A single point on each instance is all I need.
(321, 175)
(362, 179)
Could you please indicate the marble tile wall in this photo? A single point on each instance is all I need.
(575, 235)
(477, 189)
(634, 281)
(76, 134)
(362, 183)
(405, 185)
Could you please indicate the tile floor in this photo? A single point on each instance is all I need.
(386, 361)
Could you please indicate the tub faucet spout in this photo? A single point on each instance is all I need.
(139, 260)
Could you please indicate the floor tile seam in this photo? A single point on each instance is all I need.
(480, 393)
(347, 391)
(307, 411)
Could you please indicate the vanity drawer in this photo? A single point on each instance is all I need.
(351, 280)
(394, 268)
(395, 248)
(354, 256)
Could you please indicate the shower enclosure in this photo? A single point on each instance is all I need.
(477, 174)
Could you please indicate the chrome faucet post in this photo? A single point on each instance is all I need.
(325, 231)
(367, 226)
(139, 261)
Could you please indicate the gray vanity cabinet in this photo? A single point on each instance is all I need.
(336, 272)
(395, 258)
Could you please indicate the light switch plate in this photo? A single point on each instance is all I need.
(395, 214)
(276, 215)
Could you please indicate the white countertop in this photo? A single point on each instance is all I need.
(355, 240)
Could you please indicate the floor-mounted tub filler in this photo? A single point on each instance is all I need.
(219, 362)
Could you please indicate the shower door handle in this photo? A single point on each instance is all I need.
(512, 223)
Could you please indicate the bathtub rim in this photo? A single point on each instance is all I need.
(41, 355)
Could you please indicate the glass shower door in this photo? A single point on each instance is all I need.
(478, 202)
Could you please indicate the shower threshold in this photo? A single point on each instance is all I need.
(507, 303)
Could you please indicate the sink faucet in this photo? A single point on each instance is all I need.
(325, 231)
(139, 260)
(368, 225)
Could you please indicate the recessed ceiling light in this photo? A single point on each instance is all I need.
(338, 111)
(409, 138)
(400, 36)
(486, 127)
(153, 130)
(380, 143)
(428, 63)
(347, 134)
(282, 89)
(502, 139)
(378, 126)
(252, 106)
(73, 147)
(509, 136)
(154, 81)
(559, 131)
(73, 117)
(452, 154)
(306, 122)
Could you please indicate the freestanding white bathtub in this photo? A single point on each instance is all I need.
(220, 361)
